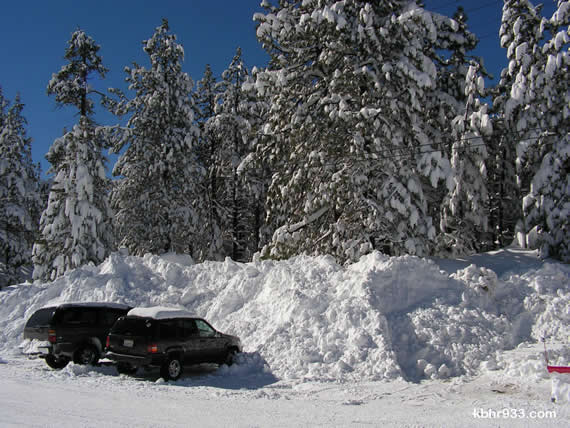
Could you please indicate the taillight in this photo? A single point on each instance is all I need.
(152, 349)
(108, 342)
(51, 336)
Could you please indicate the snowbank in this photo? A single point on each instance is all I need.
(310, 318)
(560, 388)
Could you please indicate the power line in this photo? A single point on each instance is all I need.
(410, 151)
(445, 6)
(473, 9)
(483, 6)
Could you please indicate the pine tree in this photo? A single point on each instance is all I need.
(75, 228)
(547, 204)
(208, 148)
(507, 178)
(158, 199)
(452, 56)
(521, 34)
(349, 83)
(535, 99)
(254, 171)
(465, 208)
(205, 100)
(504, 193)
(19, 196)
(232, 128)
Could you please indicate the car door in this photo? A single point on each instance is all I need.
(211, 344)
(190, 339)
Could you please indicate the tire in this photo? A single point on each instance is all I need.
(172, 368)
(230, 356)
(86, 355)
(56, 363)
(126, 368)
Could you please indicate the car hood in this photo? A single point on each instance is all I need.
(233, 339)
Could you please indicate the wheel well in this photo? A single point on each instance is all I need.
(97, 343)
(174, 353)
(92, 341)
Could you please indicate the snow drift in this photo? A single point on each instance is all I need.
(310, 318)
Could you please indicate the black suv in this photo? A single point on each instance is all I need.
(169, 339)
(73, 331)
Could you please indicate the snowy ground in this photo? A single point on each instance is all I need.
(383, 342)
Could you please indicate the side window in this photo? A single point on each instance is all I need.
(168, 329)
(204, 329)
(79, 317)
(189, 328)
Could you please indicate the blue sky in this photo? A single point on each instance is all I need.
(34, 37)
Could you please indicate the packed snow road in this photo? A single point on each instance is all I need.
(34, 395)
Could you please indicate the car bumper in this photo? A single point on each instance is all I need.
(135, 360)
(58, 350)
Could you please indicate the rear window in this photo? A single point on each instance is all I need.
(133, 327)
(41, 318)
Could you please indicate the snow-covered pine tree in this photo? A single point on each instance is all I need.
(452, 56)
(504, 194)
(465, 207)
(19, 194)
(207, 149)
(547, 204)
(75, 228)
(254, 171)
(157, 199)
(520, 22)
(536, 115)
(349, 82)
(521, 34)
(232, 127)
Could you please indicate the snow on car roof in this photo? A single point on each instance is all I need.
(93, 305)
(160, 313)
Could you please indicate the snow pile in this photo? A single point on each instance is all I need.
(246, 364)
(310, 318)
(560, 387)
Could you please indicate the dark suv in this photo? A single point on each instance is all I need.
(169, 339)
(73, 331)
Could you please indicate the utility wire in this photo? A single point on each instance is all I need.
(483, 6)
(411, 151)
(456, 3)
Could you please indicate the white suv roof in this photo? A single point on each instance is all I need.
(161, 313)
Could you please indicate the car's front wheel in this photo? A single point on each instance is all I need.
(87, 354)
(230, 356)
(172, 368)
(56, 363)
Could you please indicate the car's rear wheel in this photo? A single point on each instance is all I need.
(125, 368)
(172, 368)
(230, 356)
(86, 354)
(56, 363)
